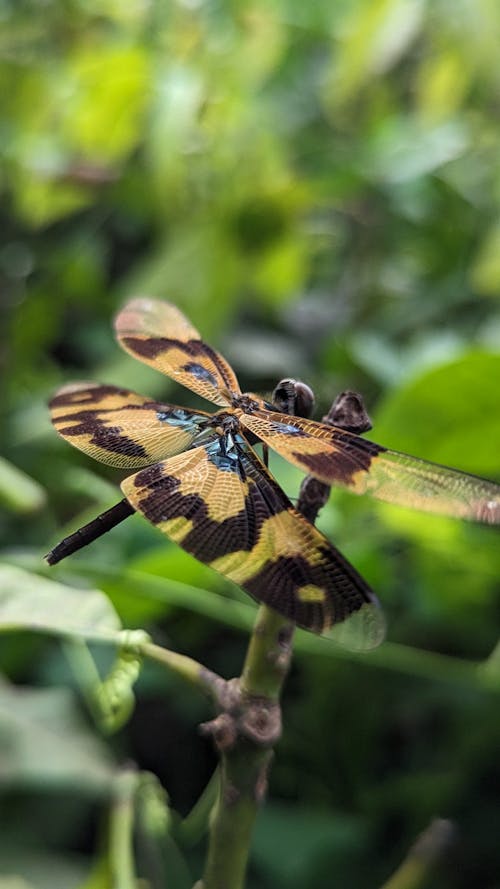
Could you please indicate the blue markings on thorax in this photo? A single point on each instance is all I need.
(197, 370)
(177, 416)
(223, 453)
(287, 429)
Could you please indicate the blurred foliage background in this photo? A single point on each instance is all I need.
(318, 187)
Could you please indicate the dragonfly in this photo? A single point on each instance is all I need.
(199, 480)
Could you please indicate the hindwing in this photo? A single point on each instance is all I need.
(221, 504)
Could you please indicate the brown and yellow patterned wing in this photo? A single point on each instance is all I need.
(221, 504)
(158, 334)
(342, 458)
(121, 428)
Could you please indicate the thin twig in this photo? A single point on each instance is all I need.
(212, 685)
(121, 828)
(423, 856)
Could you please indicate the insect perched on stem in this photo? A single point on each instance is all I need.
(200, 481)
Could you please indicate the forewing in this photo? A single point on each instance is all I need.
(119, 427)
(230, 513)
(342, 458)
(158, 334)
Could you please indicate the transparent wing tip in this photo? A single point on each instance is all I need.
(362, 631)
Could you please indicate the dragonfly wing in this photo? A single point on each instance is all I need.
(224, 507)
(122, 428)
(420, 484)
(158, 334)
(363, 467)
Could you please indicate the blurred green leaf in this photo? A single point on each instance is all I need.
(485, 272)
(450, 414)
(173, 563)
(134, 585)
(46, 744)
(108, 90)
(373, 36)
(19, 492)
(403, 148)
(443, 81)
(38, 869)
(31, 602)
(291, 846)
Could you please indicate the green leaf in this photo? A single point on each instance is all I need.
(402, 149)
(33, 868)
(485, 272)
(44, 742)
(124, 588)
(31, 602)
(291, 843)
(109, 88)
(373, 37)
(444, 79)
(450, 415)
(19, 492)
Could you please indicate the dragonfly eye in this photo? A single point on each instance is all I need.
(293, 397)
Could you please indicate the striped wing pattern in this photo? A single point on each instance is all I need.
(221, 504)
(120, 427)
(342, 458)
(158, 334)
(217, 499)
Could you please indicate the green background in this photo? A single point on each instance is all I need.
(318, 187)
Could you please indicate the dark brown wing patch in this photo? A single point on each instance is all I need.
(337, 457)
(120, 427)
(160, 335)
(262, 543)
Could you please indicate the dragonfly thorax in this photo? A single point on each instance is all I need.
(225, 423)
(247, 402)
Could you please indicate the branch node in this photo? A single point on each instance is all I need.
(260, 722)
(223, 730)
(229, 697)
(231, 794)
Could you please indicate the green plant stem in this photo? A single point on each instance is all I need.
(194, 826)
(242, 771)
(414, 871)
(121, 826)
(244, 763)
(205, 680)
(268, 654)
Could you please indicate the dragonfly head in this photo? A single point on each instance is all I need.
(293, 397)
